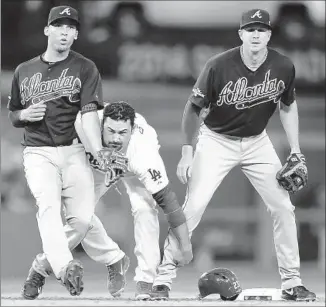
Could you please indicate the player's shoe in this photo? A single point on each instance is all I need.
(160, 292)
(299, 293)
(143, 290)
(33, 285)
(73, 277)
(117, 276)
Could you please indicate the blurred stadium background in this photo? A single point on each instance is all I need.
(149, 54)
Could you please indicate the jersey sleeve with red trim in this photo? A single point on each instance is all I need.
(289, 94)
(202, 90)
(14, 99)
(91, 90)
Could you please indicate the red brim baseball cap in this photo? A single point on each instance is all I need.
(255, 16)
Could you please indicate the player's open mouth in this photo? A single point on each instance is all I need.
(115, 146)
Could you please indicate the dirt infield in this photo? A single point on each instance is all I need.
(179, 299)
(184, 293)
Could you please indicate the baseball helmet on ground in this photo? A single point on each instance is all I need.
(219, 281)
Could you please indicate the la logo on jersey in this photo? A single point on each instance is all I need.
(36, 90)
(65, 11)
(257, 14)
(244, 96)
(155, 174)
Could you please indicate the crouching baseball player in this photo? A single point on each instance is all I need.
(133, 151)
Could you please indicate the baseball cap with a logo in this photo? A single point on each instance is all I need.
(59, 12)
(255, 16)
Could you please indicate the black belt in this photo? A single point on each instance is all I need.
(71, 142)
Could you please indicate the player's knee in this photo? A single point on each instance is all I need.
(283, 209)
(50, 209)
(80, 224)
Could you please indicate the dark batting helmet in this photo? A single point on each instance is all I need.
(220, 281)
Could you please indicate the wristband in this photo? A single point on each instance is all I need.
(186, 148)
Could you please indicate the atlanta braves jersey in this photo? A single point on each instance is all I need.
(65, 86)
(241, 101)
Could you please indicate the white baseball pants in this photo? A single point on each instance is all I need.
(214, 157)
(101, 248)
(55, 174)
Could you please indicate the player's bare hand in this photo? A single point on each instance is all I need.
(187, 254)
(33, 113)
(184, 256)
(184, 165)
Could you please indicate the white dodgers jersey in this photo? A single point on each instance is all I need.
(143, 154)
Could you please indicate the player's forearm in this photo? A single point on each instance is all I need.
(290, 121)
(189, 124)
(182, 234)
(92, 129)
(167, 200)
(14, 117)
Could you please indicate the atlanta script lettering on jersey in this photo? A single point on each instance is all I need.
(244, 96)
(42, 91)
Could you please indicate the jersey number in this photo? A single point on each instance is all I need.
(236, 285)
(155, 174)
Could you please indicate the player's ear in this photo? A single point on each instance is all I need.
(76, 35)
(240, 33)
(46, 31)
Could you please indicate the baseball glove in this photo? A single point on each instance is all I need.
(113, 163)
(293, 176)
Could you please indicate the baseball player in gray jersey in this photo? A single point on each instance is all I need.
(241, 89)
(47, 93)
